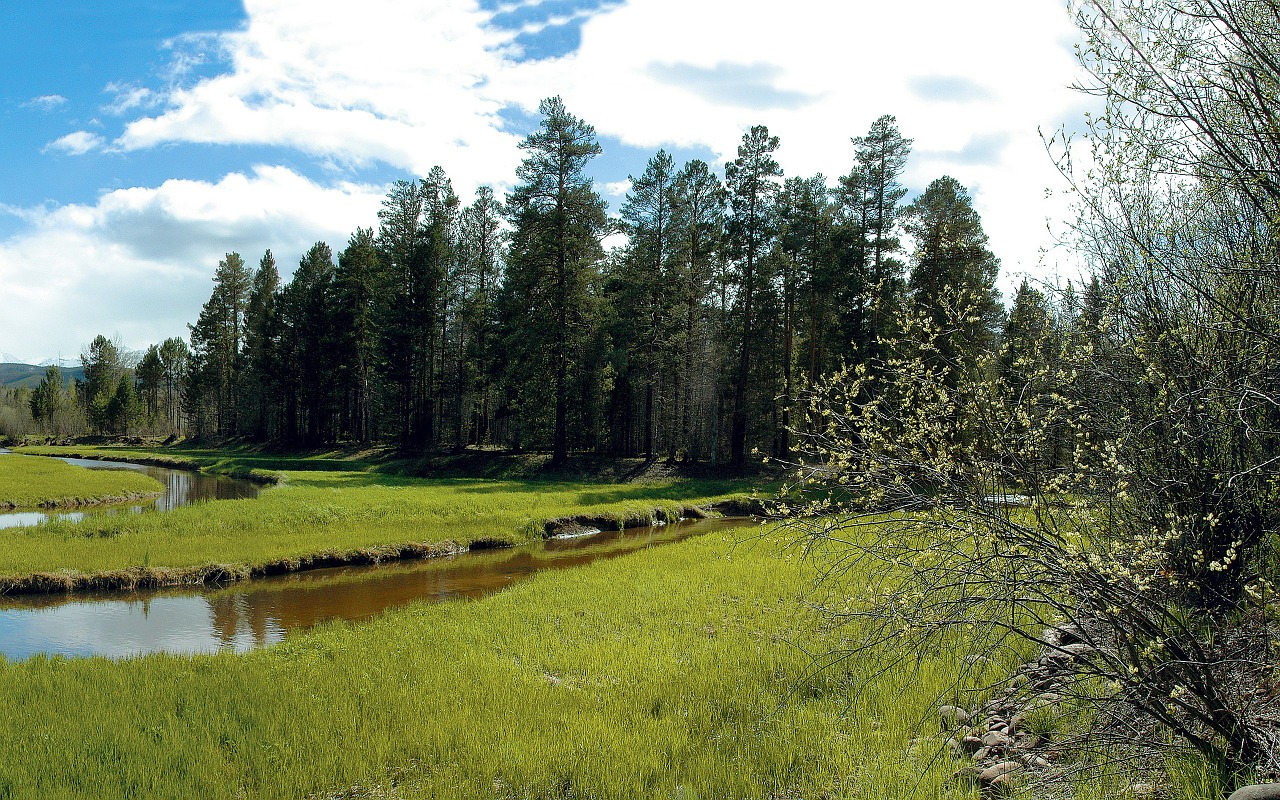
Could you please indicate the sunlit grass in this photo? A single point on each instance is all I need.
(29, 482)
(677, 672)
(335, 511)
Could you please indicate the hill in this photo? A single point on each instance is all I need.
(13, 376)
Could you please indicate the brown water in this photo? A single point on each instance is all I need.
(182, 488)
(262, 612)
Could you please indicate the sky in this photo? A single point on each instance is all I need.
(142, 140)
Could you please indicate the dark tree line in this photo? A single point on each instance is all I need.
(509, 324)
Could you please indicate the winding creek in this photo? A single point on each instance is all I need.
(262, 612)
(182, 487)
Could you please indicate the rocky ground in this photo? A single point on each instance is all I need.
(1013, 743)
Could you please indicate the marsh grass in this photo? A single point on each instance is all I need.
(677, 672)
(318, 513)
(29, 482)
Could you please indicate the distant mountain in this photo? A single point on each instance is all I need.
(13, 375)
(63, 363)
(9, 358)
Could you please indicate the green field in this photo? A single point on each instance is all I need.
(317, 511)
(678, 672)
(693, 670)
(29, 482)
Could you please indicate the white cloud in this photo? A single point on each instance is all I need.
(617, 188)
(400, 83)
(970, 82)
(418, 84)
(127, 97)
(77, 143)
(48, 102)
(139, 261)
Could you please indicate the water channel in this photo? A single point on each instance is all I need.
(182, 487)
(262, 612)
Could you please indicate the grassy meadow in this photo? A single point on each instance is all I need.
(331, 506)
(677, 672)
(28, 482)
(691, 670)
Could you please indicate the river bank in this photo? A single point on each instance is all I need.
(324, 517)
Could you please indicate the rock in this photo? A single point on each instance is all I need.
(1069, 633)
(1141, 791)
(1029, 741)
(1003, 768)
(1034, 761)
(996, 740)
(1078, 650)
(1000, 786)
(955, 748)
(981, 754)
(1258, 791)
(970, 743)
(953, 717)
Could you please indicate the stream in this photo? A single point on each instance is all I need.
(261, 612)
(182, 487)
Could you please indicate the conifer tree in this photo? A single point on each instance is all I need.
(752, 184)
(558, 222)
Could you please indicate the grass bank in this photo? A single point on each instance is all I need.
(321, 516)
(27, 482)
(678, 672)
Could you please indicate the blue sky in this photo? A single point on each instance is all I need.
(143, 140)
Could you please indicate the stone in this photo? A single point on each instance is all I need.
(1027, 741)
(995, 771)
(1003, 768)
(1000, 786)
(1034, 761)
(1077, 650)
(1141, 791)
(953, 717)
(996, 740)
(1069, 633)
(981, 754)
(1258, 791)
(970, 743)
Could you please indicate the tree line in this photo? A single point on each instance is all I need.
(508, 322)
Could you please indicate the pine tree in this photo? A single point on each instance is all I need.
(480, 251)
(261, 367)
(953, 280)
(356, 333)
(558, 222)
(216, 341)
(648, 212)
(871, 196)
(805, 238)
(752, 183)
(699, 218)
(103, 365)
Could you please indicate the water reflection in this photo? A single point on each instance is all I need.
(245, 616)
(182, 488)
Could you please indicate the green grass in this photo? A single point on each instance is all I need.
(320, 511)
(677, 672)
(29, 482)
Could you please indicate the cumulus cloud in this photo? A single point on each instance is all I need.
(139, 262)
(402, 84)
(418, 84)
(77, 143)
